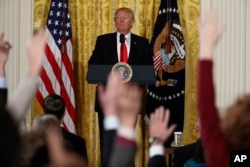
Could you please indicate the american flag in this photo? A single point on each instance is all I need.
(158, 62)
(57, 72)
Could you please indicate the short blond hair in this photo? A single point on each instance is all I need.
(126, 10)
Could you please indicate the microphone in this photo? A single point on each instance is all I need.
(122, 38)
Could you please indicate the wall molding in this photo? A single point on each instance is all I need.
(231, 60)
(16, 19)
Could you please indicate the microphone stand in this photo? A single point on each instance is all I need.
(122, 40)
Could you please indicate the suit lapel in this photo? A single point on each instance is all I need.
(132, 52)
(114, 49)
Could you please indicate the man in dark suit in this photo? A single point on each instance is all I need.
(55, 104)
(108, 50)
(187, 152)
(182, 154)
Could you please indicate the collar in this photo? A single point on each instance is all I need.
(127, 36)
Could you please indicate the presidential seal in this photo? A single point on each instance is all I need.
(124, 69)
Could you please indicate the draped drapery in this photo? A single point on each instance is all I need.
(189, 13)
(90, 18)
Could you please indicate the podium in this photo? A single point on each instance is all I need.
(142, 74)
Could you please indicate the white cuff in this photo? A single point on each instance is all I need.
(128, 133)
(111, 122)
(3, 82)
(156, 150)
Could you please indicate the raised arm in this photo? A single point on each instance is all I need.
(4, 54)
(160, 131)
(129, 105)
(215, 146)
(108, 98)
(209, 33)
(19, 103)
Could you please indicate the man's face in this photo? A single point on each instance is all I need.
(123, 21)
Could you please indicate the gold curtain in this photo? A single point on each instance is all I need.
(189, 11)
(91, 18)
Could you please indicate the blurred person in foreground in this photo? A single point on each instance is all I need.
(121, 104)
(55, 105)
(54, 151)
(219, 137)
(34, 146)
(160, 132)
(16, 108)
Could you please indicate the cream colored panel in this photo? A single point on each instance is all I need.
(231, 62)
(16, 22)
(247, 44)
(10, 23)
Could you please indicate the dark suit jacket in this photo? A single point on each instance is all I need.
(157, 161)
(12, 114)
(76, 142)
(182, 154)
(108, 141)
(117, 151)
(3, 97)
(10, 137)
(123, 153)
(105, 53)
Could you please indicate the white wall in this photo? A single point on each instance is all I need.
(247, 46)
(16, 21)
(232, 60)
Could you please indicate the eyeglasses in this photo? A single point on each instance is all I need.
(122, 17)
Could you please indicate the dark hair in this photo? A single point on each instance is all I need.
(54, 104)
(198, 155)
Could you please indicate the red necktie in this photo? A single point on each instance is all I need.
(123, 53)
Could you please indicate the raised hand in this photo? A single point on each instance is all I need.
(108, 98)
(129, 104)
(36, 52)
(209, 33)
(159, 127)
(4, 53)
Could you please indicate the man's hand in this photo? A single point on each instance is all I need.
(4, 53)
(108, 97)
(129, 104)
(209, 33)
(159, 125)
(36, 52)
